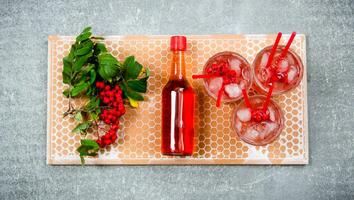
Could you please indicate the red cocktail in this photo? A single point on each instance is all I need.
(225, 75)
(285, 70)
(256, 123)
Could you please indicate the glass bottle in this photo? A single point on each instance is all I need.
(178, 100)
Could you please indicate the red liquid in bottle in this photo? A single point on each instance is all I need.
(177, 106)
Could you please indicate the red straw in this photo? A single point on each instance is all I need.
(285, 50)
(274, 48)
(270, 59)
(218, 101)
(269, 95)
(203, 76)
(245, 96)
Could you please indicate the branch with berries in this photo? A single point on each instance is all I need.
(90, 71)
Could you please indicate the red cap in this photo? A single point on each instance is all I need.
(178, 43)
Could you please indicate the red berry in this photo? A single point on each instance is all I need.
(99, 84)
(115, 127)
(107, 142)
(107, 88)
(99, 142)
(114, 137)
(265, 116)
(105, 100)
(105, 137)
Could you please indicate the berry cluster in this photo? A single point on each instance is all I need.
(259, 115)
(112, 99)
(109, 137)
(222, 69)
(112, 109)
(276, 74)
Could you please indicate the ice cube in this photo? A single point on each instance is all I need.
(251, 134)
(233, 90)
(283, 65)
(262, 135)
(238, 125)
(259, 126)
(265, 128)
(244, 114)
(243, 84)
(292, 74)
(264, 59)
(264, 74)
(271, 114)
(215, 84)
(290, 59)
(271, 126)
(235, 65)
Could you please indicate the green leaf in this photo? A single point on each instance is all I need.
(78, 116)
(134, 95)
(71, 55)
(102, 73)
(123, 86)
(82, 127)
(66, 78)
(87, 29)
(128, 92)
(92, 104)
(67, 70)
(92, 76)
(85, 48)
(66, 92)
(132, 68)
(106, 58)
(130, 60)
(87, 148)
(80, 79)
(100, 48)
(88, 67)
(78, 89)
(147, 72)
(93, 116)
(67, 66)
(108, 66)
(138, 85)
(85, 34)
(111, 70)
(81, 61)
(90, 143)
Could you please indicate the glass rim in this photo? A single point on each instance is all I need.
(263, 89)
(236, 55)
(281, 125)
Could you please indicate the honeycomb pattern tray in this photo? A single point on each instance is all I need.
(140, 137)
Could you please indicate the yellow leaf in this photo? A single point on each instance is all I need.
(133, 103)
(142, 71)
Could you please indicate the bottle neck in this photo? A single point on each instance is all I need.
(178, 66)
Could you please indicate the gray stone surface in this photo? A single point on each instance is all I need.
(25, 25)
